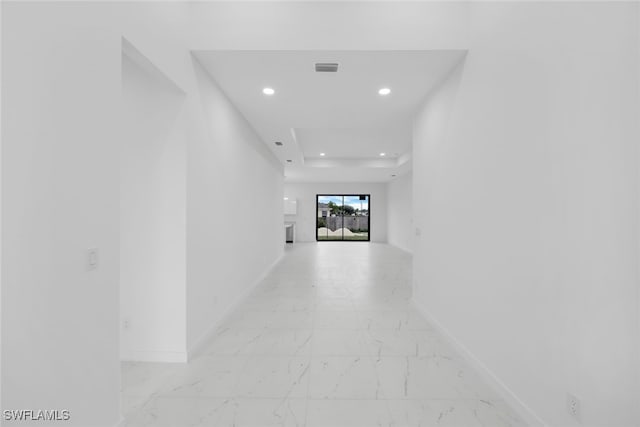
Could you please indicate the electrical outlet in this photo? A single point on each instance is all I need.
(573, 406)
(126, 324)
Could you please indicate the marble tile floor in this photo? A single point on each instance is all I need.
(328, 339)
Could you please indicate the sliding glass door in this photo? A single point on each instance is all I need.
(342, 217)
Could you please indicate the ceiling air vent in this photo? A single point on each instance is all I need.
(326, 67)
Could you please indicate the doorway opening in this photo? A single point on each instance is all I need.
(343, 217)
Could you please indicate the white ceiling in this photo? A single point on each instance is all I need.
(350, 143)
(340, 114)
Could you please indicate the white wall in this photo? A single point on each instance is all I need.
(526, 194)
(61, 195)
(230, 177)
(234, 199)
(305, 193)
(638, 204)
(1, 137)
(60, 183)
(400, 212)
(152, 215)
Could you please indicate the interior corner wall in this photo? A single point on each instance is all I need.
(60, 158)
(637, 373)
(638, 213)
(152, 215)
(234, 211)
(526, 193)
(61, 81)
(400, 212)
(233, 182)
(305, 195)
(1, 137)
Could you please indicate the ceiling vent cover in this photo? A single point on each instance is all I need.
(326, 67)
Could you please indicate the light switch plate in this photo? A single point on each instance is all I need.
(93, 259)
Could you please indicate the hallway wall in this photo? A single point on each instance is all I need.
(1, 223)
(234, 223)
(61, 154)
(526, 195)
(229, 174)
(305, 193)
(60, 196)
(152, 215)
(400, 212)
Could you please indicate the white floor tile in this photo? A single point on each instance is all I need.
(284, 342)
(274, 377)
(291, 320)
(178, 411)
(337, 320)
(347, 413)
(246, 319)
(233, 341)
(334, 304)
(429, 378)
(450, 413)
(385, 342)
(328, 339)
(395, 320)
(212, 376)
(344, 378)
(142, 379)
(335, 342)
(263, 413)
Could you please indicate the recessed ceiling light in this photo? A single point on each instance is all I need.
(322, 154)
(384, 91)
(268, 91)
(383, 154)
(286, 198)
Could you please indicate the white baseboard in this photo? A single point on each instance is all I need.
(510, 398)
(402, 248)
(156, 356)
(204, 339)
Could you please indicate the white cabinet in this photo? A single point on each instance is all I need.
(291, 207)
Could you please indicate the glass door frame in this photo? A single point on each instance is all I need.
(368, 196)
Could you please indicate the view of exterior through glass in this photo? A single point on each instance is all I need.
(343, 217)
